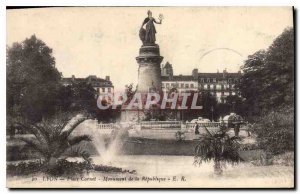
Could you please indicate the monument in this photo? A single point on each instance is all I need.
(149, 59)
(149, 72)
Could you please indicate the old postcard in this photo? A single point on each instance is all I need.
(150, 97)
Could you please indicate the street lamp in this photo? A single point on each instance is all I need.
(212, 113)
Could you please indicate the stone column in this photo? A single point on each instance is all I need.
(149, 73)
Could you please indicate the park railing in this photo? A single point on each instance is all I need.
(109, 126)
(160, 124)
(190, 126)
(156, 125)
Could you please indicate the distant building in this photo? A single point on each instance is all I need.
(181, 83)
(167, 69)
(102, 86)
(218, 84)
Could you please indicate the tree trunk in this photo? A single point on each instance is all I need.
(51, 162)
(217, 168)
(236, 130)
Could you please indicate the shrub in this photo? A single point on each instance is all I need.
(24, 168)
(63, 167)
(275, 131)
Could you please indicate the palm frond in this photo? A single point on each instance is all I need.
(33, 129)
(44, 131)
(207, 131)
(73, 124)
(77, 139)
(36, 145)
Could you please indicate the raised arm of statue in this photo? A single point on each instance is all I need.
(157, 22)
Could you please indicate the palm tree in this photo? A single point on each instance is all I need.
(52, 137)
(218, 147)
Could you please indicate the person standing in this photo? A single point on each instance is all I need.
(197, 129)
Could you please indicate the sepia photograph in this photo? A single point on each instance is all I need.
(150, 97)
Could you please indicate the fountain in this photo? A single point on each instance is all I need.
(108, 144)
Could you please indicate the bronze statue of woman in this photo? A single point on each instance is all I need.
(148, 36)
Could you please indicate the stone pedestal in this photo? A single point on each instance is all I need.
(149, 80)
(149, 73)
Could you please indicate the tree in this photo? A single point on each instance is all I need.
(252, 82)
(209, 103)
(236, 104)
(79, 96)
(268, 79)
(32, 80)
(268, 88)
(218, 147)
(130, 92)
(52, 136)
(279, 71)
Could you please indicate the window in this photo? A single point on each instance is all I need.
(103, 89)
(214, 80)
(208, 80)
(202, 80)
(182, 85)
(167, 85)
(109, 90)
(192, 85)
(186, 85)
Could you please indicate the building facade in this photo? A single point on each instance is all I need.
(182, 83)
(102, 86)
(218, 84)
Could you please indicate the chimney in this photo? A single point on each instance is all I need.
(107, 78)
(195, 73)
(73, 78)
(224, 73)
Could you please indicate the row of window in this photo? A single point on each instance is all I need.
(177, 85)
(214, 80)
(103, 90)
(222, 94)
(201, 86)
(97, 84)
(216, 86)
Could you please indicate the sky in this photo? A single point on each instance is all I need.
(104, 40)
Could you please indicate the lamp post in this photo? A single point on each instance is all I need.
(233, 106)
(212, 113)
